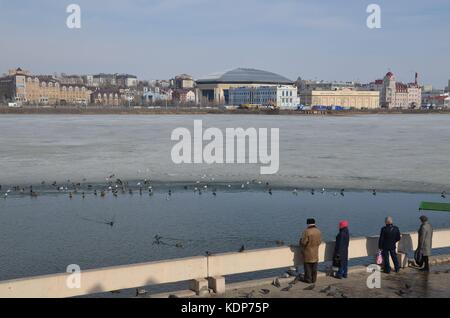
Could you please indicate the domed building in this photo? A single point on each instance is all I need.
(215, 88)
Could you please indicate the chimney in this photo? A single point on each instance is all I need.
(417, 77)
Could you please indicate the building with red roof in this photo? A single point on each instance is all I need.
(395, 94)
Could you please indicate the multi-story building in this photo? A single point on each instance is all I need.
(164, 84)
(126, 80)
(215, 88)
(435, 99)
(346, 97)
(21, 86)
(184, 81)
(323, 85)
(155, 94)
(88, 80)
(104, 80)
(427, 88)
(71, 79)
(283, 96)
(399, 95)
(184, 96)
(374, 86)
(108, 97)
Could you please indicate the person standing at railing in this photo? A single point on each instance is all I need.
(425, 242)
(340, 257)
(310, 242)
(389, 237)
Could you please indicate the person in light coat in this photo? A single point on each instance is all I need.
(425, 241)
(310, 242)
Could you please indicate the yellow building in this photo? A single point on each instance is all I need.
(21, 86)
(343, 97)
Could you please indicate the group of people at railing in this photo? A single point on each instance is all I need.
(387, 244)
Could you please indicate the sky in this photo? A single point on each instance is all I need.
(158, 39)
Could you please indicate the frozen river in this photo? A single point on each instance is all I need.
(43, 234)
(386, 152)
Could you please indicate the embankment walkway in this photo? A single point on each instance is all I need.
(409, 283)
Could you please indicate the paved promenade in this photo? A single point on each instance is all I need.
(408, 283)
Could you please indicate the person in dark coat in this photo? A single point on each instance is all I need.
(389, 237)
(425, 241)
(341, 250)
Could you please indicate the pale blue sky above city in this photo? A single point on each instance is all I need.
(158, 39)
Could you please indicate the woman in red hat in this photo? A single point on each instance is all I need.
(340, 258)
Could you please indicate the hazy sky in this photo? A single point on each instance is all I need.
(161, 38)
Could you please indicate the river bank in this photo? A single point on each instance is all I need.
(172, 110)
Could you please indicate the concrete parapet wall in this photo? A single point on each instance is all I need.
(194, 268)
(107, 279)
(280, 257)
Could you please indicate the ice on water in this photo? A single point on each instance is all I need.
(386, 152)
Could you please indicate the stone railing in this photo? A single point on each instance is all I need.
(201, 272)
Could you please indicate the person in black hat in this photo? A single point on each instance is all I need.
(310, 242)
(425, 241)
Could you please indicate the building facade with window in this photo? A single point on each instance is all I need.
(215, 88)
(183, 81)
(184, 96)
(155, 95)
(20, 86)
(126, 80)
(283, 96)
(349, 98)
(108, 97)
(399, 95)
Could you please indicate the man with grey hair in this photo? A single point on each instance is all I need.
(425, 241)
(389, 236)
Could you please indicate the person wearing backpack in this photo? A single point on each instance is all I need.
(387, 243)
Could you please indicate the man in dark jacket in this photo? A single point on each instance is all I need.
(387, 243)
(341, 250)
(425, 241)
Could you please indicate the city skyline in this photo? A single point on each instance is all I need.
(160, 39)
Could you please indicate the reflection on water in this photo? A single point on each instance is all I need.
(45, 234)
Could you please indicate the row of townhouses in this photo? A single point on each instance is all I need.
(20, 86)
(237, 87)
